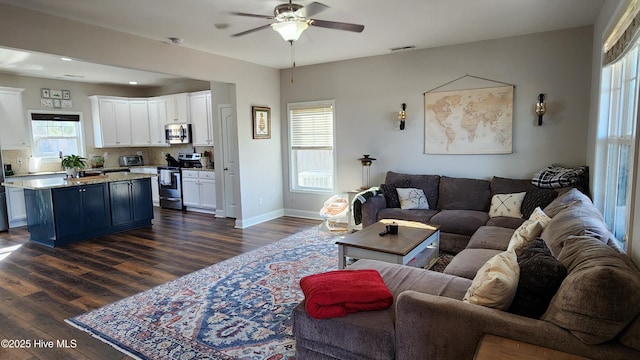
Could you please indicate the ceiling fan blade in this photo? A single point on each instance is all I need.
(336, 25)
(251, 30)
(312, 9)
(253, 15)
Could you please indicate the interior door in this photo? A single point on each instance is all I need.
(230, 184)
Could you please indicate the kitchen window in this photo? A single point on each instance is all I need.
(56, 133)
(311, 141)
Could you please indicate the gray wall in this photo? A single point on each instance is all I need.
(369, 91)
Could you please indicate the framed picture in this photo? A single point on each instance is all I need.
(67, 104)
(261, 122)
(66, 94)
(57, 104)
(45, 93)
(56, 94)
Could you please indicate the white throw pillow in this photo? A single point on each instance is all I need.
(506, 205)
(524, 235)
(411, 198)
(496, 282)
(539, 216)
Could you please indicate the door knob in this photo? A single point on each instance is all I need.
(226, 169)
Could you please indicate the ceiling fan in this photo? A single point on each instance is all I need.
(292, 19)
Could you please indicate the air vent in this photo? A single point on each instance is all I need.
(403, 48)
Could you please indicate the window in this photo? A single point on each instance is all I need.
(618, 114)
(56, 133)
(312, 164)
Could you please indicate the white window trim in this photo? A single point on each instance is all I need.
(290, 169)
(81, 142)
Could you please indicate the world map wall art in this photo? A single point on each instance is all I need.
(474, 121)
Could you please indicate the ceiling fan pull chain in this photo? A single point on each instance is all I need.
(293, 59)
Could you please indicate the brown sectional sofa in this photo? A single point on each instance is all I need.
(595, 312)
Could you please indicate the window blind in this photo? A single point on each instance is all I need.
(312, 127)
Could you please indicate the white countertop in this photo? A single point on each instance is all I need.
(51, 183)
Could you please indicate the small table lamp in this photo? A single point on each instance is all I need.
(366, 171)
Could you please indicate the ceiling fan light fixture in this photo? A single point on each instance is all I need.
(290, 30)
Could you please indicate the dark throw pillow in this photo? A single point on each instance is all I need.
(536, 198)
(540, 277)
(390, 193)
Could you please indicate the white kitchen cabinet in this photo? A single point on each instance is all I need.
(12, 117)
(157, 120)
(16, 209)
(177, 108)
(140, 130)
(111, 121)
(199, 190)
(201, 118)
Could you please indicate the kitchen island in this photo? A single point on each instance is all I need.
(61, 211)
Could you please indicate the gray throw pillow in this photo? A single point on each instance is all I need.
(390, 193)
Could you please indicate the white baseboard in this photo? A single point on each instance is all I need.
(305, 214)
(245, 223)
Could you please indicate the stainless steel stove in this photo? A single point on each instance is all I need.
(170, 179)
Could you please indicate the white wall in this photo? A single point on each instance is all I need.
(260, 161)
(368, 93)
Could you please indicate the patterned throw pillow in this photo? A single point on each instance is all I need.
(506, 205)
(537, 198)
(411, 198)
(540, 277)
(390, 193)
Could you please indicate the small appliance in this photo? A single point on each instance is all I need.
(178, 133)
(131, 160)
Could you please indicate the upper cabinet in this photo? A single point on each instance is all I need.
(111, 121)
(201, 119)
(177, 108)
(119, 121)
(157, 120)
(138, 108)
(12, 117)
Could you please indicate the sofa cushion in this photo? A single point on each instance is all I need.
(536, 198)
(496, 282)
(565, 200)
(464, 222)
(412, 198)
(428, 183)
(505, 222)
(540, 277)
(506, 205)
(490, 237)
(500, 185)
(574, 220)
(468, 261)
(371, 334)
(464, 194)
(418, 215)
(631, 336)
(601, 294)
(391, 194)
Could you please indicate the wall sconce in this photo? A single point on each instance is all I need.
(402, 115)
(541, 108)
(366, 171)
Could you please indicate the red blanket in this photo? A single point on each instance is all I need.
(341, 292)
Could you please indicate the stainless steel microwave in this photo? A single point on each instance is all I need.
(179, 133)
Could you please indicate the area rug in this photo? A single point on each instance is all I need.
(237, 309)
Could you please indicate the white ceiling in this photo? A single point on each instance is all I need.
(206, 25)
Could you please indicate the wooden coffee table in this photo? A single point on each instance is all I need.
(416, 244)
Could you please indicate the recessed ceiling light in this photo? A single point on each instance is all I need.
(65, 59)
(133, 83)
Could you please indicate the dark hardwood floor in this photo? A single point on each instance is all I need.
(40, 287)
